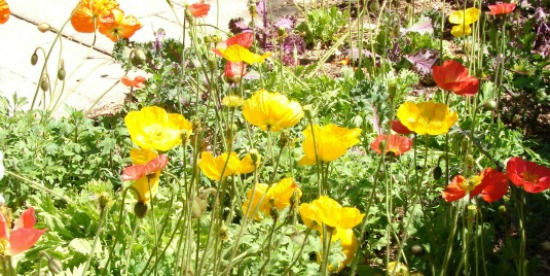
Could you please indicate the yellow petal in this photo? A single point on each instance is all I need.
(238, 53)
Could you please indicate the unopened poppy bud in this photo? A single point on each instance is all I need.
(104, 200)
(283, 140)
(206, 192)
(469, 160)
(465, 143)
(274, 213)
(44, 27)
(490, 105)
(308, 111)
(61, 74)
(215, 38)
(198, 207)
(197, 126)
(140, 209)
(472, 211)
(34, 58)
(417, 250)
(502, 210)
(392, 89)
(137, 57)
(55, 266)
(224, 232)
(45, 82)
(437, 173)
(256, 156)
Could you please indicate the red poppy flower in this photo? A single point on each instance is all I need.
(137, 82)
(396, 144)
(398, 127)
(138, 171)
(533, 177)
(199, 9)
(490, 183)
(23, 236)
(234, 71)
(502, 8)
(453, 76)
(244, 39)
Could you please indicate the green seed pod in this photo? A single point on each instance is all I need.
(437, 173)
(55, 266)
(34, 58)
(140, 209)
(45, 82)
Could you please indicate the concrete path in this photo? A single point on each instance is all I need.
(90, 72)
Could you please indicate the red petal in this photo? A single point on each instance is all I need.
(199, 9)
(3, 228)
(26, 220)
(496, 185)
(133, 172)
(23, 239)
(453, 192)
(243, 39)
(156, 164)
(398, 127)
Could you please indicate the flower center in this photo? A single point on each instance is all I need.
(471, 183)
(530, 177)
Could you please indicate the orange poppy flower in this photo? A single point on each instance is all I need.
(115, 25)
(490, 183)
(398, 127)
(502, 8)
(396, 144)
(22, 237)
(137, 82)
(86, 14)
(533, 177)
(453, 76)
(199, 9)
(4, 12)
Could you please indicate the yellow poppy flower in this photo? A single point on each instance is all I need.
(278, 197)
(153, 128)
(463, 19)
(257, 202)
(327, 211)
(216, 168)
(461, 30)
(331, 142)
(4, 12)
(238, 53)
(247, 164)
(349, 245)
(466, 17)
(427, 117)
(272, 111)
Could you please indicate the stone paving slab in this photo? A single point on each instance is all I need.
(87, 77)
